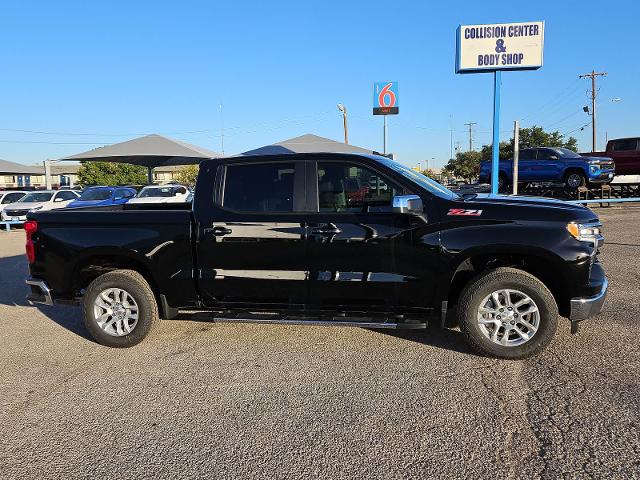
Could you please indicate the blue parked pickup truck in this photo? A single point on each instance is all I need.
(557, 165)
(103, 196)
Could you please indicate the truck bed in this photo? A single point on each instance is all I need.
(155, 238)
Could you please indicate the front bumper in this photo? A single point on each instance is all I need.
(583, 308)
(40, 291)
(15, 218)
(602, 177)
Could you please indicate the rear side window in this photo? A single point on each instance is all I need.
(625, 145)
(527, 154)
(266, 187)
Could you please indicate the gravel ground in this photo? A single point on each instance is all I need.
(200, 399)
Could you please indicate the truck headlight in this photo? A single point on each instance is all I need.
(35, 208)
(585, 233)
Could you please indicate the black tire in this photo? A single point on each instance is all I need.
(507, 278)
(574, 179)
(138, 288)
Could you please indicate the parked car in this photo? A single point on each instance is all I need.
(552, 165)
(625, 152)
(262, 242)
(38, 200)
(10, 196)
(103, 196)
(163, 194)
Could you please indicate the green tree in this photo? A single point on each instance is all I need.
(532, 137)
(188, 175)
(109, 173)
(466, 165)
(430, 173)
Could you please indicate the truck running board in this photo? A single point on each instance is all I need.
(290, 320)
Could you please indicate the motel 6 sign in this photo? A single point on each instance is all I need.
(385, 98)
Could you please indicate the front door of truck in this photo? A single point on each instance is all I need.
(361, 254)
(251, 246)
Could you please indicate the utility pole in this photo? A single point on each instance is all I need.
(470, 125)
(450, 136)
(593, 76)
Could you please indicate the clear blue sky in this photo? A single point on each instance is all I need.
(117, 69)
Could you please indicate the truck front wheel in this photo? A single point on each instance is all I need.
(575, 179)
(507, 313)
(119, 308)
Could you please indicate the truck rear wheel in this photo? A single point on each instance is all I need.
(507, 313)
(119, 308)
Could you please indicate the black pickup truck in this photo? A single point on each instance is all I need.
(341, 239)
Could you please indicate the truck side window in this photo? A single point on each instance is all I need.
(527, 154)
(346, 187)
(625, 145)
(266, 187)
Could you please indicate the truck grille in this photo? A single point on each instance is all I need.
(16, 213)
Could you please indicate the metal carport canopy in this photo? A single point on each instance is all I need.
(308, 143)
(149, 151)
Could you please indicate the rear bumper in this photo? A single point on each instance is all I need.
(40, 291)
(583, 308)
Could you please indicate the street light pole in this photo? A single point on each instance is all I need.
(343, 109)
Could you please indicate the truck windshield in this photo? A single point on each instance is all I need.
(422, 180)
(95, 194)
(157, 192)
(566, 153)
(36, 197)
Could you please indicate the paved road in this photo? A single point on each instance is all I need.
(248, 401)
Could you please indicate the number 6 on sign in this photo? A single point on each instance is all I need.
(385, 98)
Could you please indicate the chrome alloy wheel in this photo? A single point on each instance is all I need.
(574, 180)
(508, 317)
(116, 312)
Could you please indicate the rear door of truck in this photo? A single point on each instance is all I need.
(251, 232)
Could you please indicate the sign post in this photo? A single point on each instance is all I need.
(493, 48)
(385, 102)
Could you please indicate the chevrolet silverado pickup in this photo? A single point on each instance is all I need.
(552, 165)
(625, 152)
(325, 239)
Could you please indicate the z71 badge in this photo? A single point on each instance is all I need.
(464, 212)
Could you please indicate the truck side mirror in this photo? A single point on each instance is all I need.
(553, 157)
(407, 204)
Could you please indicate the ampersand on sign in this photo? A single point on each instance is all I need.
(500, 48)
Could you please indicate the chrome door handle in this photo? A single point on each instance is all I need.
(326, 230)
(217, 231)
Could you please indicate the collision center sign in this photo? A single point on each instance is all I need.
(500, 46)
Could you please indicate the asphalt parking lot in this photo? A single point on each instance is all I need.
(201, 399)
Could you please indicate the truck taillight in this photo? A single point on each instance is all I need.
(30, 227)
